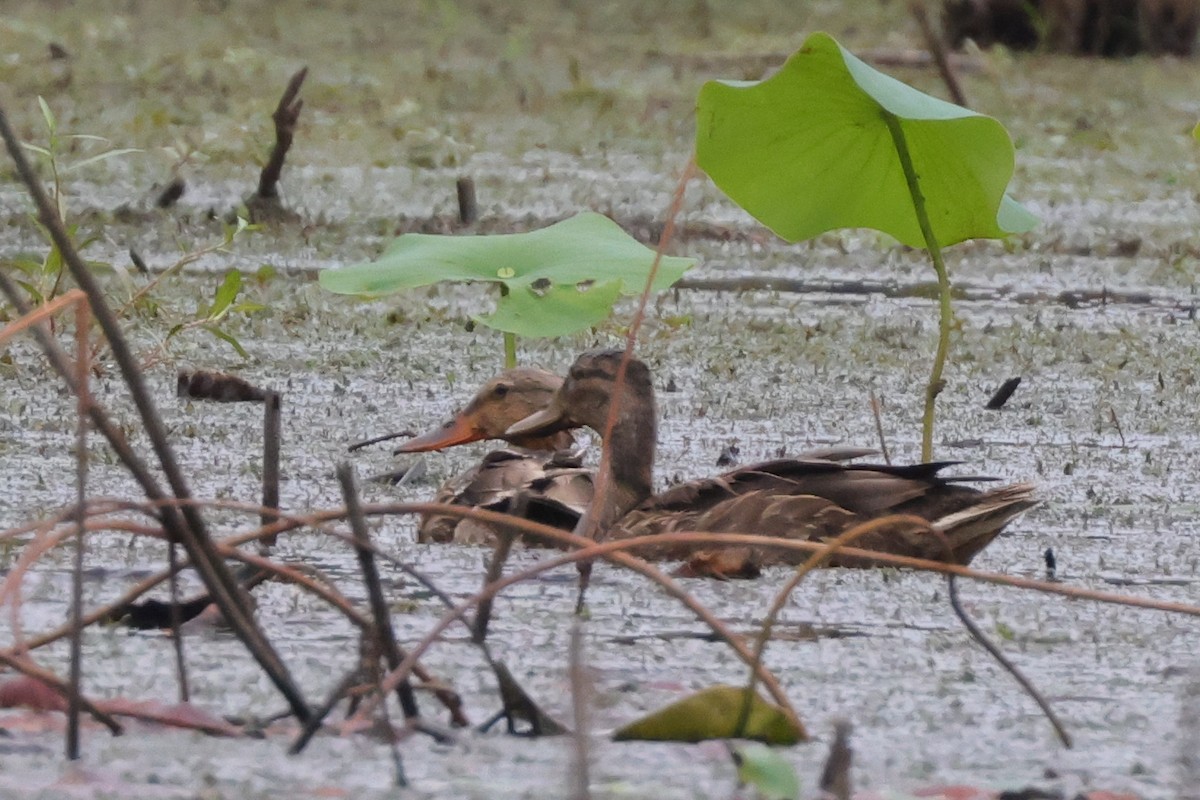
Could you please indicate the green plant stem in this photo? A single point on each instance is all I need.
(510, 339)
(510, 350)
(946, 317)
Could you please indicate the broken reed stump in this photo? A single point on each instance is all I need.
(1108, 28)
(287, 113)
(264, 205)
(219, 387)
(468, 208)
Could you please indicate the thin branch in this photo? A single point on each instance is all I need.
(384, 633)
(987, 644)
(83, 371)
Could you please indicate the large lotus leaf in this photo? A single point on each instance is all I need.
(713, 713)
(586, 247)
(809, 150)
(559, 309)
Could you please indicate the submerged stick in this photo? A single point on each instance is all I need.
(272, 436)
(876, 411)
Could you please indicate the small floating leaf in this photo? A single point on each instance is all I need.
(713, 714)
(809, 150)
(768, 772)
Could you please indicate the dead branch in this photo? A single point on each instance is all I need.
(996, 653)
(287, 113)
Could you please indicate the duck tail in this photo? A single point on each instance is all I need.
(973, 528)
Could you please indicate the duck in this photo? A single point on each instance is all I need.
(804, 498)
(539, 475)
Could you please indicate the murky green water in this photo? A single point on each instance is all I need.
(1104, 423)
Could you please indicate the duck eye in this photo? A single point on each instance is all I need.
(500, 391)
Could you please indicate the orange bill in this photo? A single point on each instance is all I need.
(460, 430)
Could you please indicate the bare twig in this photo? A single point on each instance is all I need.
(1001, 396)
(876, 411)
(581, 701)
(938, 50)
(176, 615)
(385, 635)
(285, 117)
(1112, 415)
(272, 436)
(1011, 668)
(589, 522)
(468, 209)
(83, 370)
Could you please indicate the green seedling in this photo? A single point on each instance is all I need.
(829, 142)
(552, 282)
(44, 277)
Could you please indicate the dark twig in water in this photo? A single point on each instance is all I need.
(468, 208)
(171, 193)
(977, 634)
(313, 724)
(272, 437)
(223, 388)
(1112, 414)
(183, 524)
(83, 369)
(1002, 394)
(495, 571)
(385, 635)
(287, 113)
(176, 612)
(835, 777)
(138, 262)
(581, 704)
(877, 413)
(938, 51)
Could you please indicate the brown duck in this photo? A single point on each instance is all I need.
(806, 498)
(540, 475)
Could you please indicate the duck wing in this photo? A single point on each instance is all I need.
(547, 487)
(817, 500)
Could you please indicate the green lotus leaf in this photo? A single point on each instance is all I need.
(526, 311)
(809, 150)
(539, 269)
